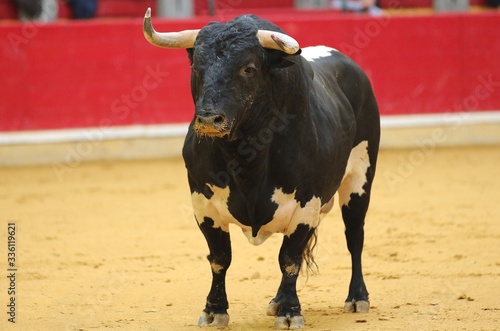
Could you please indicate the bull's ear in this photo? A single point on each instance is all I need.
(285, 61)
(190, 54)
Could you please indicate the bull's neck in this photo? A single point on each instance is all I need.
(279, 118)
(260, 149)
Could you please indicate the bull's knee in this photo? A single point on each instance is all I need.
(219, 263)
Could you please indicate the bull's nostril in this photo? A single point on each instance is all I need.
(218, 120)
(213, 120)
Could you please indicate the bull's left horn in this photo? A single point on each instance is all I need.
(181, 39)
(279, 41)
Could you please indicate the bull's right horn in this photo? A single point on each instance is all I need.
(181, 39)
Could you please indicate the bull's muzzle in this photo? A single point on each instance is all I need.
(211, 125)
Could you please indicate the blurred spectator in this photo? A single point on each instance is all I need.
(451, 5)
(30, 8)
(493, 3)
(39, 10)
(48, 10)
(358, 6)
(83, 8)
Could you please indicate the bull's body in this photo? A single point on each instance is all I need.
(275, 136)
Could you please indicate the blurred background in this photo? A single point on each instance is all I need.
(79, 81)
(82, 93)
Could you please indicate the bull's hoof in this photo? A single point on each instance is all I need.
(361, 306)
(289, 323)
(211, 319)
(272, 309)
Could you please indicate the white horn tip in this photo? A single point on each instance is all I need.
(148, 13)
(287, 43)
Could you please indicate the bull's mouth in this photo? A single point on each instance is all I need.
(213, 131)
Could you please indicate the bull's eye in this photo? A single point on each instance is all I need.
(249, 70)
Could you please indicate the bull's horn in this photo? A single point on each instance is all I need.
(279, 41)
(181, 39)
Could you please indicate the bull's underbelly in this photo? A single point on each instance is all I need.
(287, 216)
(289, 212)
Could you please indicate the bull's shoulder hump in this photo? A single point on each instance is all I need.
(313, 53)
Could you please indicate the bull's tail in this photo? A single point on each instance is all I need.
(308, 256)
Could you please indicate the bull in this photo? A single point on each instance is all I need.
(277, 131)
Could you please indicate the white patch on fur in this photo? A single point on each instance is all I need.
(290, 214)
(215, 207)
(325, 209)
(355, 173)
(287, 216)
(316, 52)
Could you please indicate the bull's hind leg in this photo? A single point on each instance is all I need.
(219, 243)
(286, 306)
(354, 198)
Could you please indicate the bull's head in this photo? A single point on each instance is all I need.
(231, 66)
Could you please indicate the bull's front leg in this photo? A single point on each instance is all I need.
(219, 244)
(286, 306)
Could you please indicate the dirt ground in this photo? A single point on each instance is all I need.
(113, 245)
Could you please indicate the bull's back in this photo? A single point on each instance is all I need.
(337, 71)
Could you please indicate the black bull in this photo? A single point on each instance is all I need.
(276, 133)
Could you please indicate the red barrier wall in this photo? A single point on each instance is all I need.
(100, 73)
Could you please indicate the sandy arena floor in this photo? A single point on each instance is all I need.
(113, 246)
